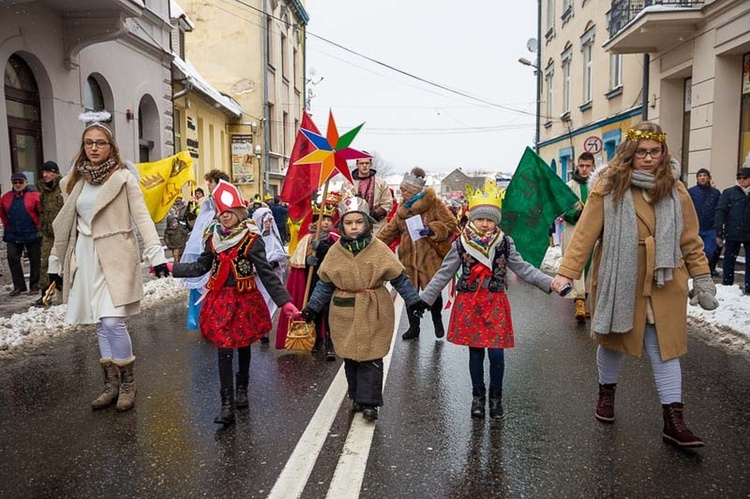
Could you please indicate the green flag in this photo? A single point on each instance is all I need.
(534, 198)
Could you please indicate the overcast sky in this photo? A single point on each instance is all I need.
(472, 47)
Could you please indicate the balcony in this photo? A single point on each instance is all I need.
(650, 26)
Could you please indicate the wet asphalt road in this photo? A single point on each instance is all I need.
(425, 444)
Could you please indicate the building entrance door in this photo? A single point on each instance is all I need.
(24, 118)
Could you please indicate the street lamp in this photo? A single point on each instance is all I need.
(538, 74)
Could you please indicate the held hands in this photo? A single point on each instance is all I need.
(417, 310)
(290, 310)
(161, 270)
(704, 292)
(308, 315)
(559, 283)
(719, 242)
(57, 279)
(311, 260)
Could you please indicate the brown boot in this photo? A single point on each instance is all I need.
(605, 406)
(580, 310)
(126, 400)
(675, 430)
(111, 385)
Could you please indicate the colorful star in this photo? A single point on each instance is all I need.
(332, 151)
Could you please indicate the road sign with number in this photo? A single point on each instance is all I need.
(593, 144)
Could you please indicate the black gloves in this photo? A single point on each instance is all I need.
(378, 214)
(57, 279)
(426, 231)
(308, 314)
(311, 260)
(161, 270)
(417, 310)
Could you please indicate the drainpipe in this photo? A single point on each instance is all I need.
(187, 87)
(267, 127)
(538, 73)
(644, 100)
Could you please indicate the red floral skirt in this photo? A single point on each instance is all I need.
(481, 319)
(230, 319)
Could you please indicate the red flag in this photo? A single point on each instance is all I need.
(301, 181)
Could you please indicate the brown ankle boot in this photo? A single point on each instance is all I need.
(580, 310)
(126, 400)
(675, 430)
(605, 406)
(111, 385)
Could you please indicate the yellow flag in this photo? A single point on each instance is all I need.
(162, 180)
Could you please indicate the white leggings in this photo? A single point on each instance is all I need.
(114, 339)
(667, 374)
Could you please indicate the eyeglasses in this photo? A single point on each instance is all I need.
(739, 177)
(17, 182)
(88, 144)
(654, 153)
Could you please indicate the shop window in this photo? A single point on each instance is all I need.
(745, 113)
(611, 140)
(686, 107)
(566, 162)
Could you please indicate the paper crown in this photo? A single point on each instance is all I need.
(636, 135)
(489, 195)
(352, 204)
(329, 206)
(227, 196)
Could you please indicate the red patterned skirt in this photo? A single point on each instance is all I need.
(230, 319)
(481, 319)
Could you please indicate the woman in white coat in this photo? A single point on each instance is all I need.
(96, 252)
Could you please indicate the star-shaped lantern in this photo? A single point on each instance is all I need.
(332, 151)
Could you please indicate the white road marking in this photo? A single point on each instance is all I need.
(350, 470)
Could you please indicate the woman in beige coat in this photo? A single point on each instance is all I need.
(639, 217)
(96, 252)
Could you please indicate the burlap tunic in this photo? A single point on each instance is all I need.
(361, 308)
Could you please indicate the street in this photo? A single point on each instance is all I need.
(424, 444)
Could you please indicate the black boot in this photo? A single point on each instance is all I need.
(370, 413)
(496, 404)
(413, 331)
(226, 416)
(436, 310)
(240, 397)
(330, 352)
(478, 402)
(675, 430)
(318, 345)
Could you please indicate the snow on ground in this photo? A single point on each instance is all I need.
(38, 326)
(729, 325)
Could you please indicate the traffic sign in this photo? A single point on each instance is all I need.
(593, 144)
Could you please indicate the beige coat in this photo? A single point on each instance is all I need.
(361, 330)
(119, 205)
(669, 303)
(420, 259)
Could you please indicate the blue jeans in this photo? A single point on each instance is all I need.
(709, 242)
(476, 367)
(731, 249)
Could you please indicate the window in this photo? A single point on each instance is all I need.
(615, 71)
(687, 105)
(744, 113)
(93, 100)
(587, 50)
(549, 73)
(550, 14)
(284, 70)
(567, 10)
(271, 129)
(567, 57)
(284, 126)
(294, 67)
(177, 127)
(269, 41)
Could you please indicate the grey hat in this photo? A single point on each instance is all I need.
(486, 211)
(742, 172)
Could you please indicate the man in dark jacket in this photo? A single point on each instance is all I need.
(19, 212)
(705, 198)
(51, 201)
(733, 225)
(280, 214)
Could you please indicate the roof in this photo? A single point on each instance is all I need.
(177, 12)
(226, 103)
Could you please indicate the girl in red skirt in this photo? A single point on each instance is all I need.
(481, 314)
(234, 314)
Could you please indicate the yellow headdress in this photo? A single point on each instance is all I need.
(485, 202)
(329, 206)
(636, 135)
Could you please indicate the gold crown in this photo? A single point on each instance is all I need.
(636, 135)
(489, 195)
(329, 207)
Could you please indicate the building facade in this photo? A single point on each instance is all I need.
(253, 52)
(699, 77)
(588, 97)
(63, 57)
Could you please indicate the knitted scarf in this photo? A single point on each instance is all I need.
(357, 244)
(97, 174)
(615, 301)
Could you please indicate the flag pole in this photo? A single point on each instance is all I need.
(314, 251)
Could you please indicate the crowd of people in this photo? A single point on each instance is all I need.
(633, 213)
